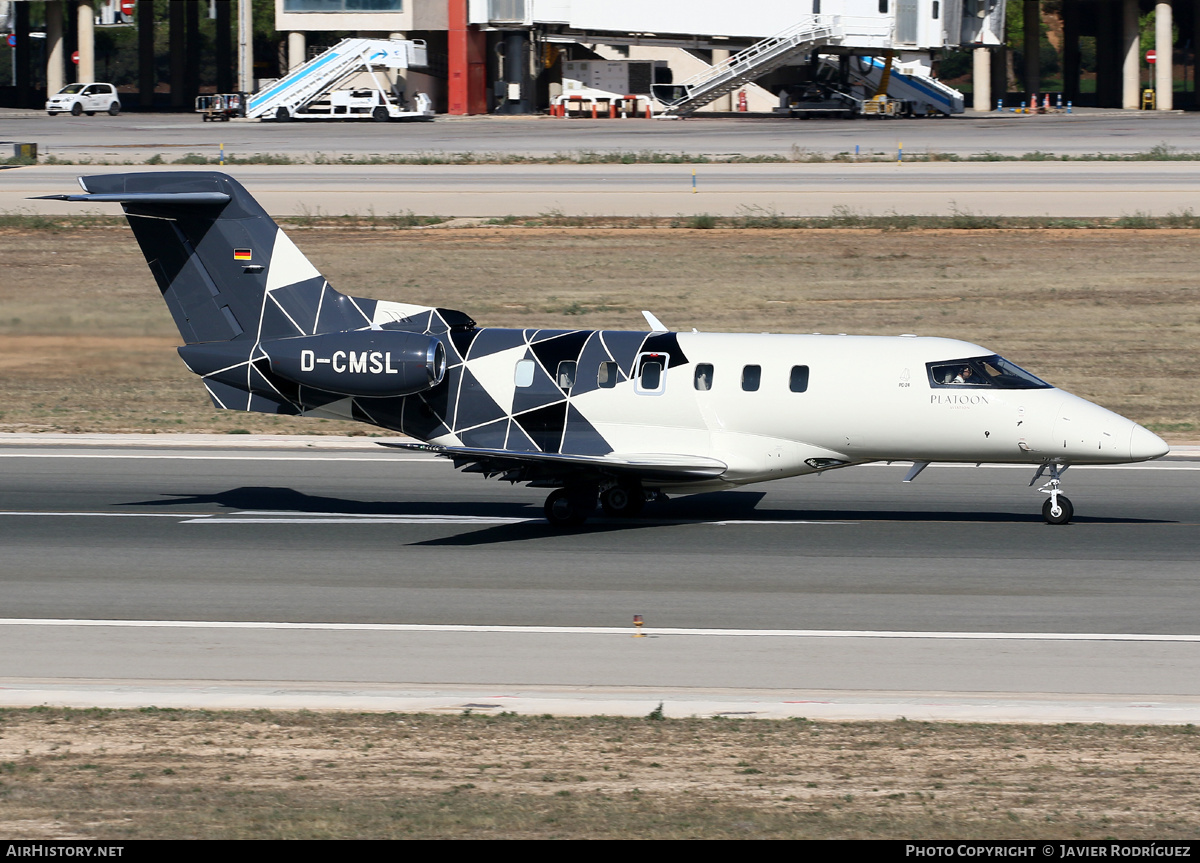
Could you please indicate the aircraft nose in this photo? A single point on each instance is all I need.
(1145, 444)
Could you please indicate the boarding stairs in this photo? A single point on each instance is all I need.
(745, 66)
(921, 94)
(324, 72)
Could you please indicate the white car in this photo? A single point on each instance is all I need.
(87, 99)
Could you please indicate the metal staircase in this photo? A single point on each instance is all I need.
(323, 73)
(922, 94)
(745, 66)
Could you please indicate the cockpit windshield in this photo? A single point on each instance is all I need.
(994, 372)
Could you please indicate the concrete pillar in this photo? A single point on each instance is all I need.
(295, 50)
(177, 46)
(1164, 68)
(55, 72)
(1131, 61)
(1108, 53)
(245, 47)
(1195, 49)
(515, 72)
(86, 27)
(22, 57)
(224, 46)
(191, 66)
(1000, 73)
(466, 84)
(1071, 58)
(721, 103)
(1033, 48)
(147, 72)
(981, 79)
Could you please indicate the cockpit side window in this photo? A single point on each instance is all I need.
(992, 372)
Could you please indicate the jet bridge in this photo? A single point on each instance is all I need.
(310, 91)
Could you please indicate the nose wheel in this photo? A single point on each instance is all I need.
(1058, 511)
(1058, 508)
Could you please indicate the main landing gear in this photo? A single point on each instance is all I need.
(1057, 509)
(570, 507)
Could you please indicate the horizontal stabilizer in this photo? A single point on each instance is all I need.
(169, 198)
(648, 466)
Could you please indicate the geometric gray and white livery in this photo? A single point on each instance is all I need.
(611, 416)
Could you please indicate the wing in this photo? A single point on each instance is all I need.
(552, 469)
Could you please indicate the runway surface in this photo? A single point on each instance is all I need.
(1058, 189)
(334, 576)
(137, 137)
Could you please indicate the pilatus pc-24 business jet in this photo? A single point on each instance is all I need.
(598, 416)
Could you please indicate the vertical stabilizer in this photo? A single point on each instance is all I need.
(225, 269)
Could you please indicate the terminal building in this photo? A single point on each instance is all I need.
(526, 56)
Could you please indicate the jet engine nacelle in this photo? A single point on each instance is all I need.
(375, 363)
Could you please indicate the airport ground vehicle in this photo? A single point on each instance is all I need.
(219, 106)
(76, 99)
(363, 104)
(359, 78)
(609, 418)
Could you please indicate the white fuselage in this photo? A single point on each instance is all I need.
(866, 398)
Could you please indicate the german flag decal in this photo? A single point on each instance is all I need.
(242, 254)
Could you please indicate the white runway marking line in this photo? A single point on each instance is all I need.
(600, 630)
(266, 517)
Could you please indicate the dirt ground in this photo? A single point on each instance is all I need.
(87, 345)
(179, 774)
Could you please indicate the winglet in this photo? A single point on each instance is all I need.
(656, 325)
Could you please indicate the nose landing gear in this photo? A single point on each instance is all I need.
(1058, 508)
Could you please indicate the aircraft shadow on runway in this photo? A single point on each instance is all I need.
(723, 506)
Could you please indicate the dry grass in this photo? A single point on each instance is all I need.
(156, 774)
(86, 345)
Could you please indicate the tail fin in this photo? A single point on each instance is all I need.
(226, 270)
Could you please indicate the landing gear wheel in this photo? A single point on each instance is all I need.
(623, 501)
(76, 110)
(1057, 509)
(568, 508)
(1060, 514)
(114, 109)
(380, 114)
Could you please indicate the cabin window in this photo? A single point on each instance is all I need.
(974, 373)
(883, 7)
(606, 376)
(566, 375)
(936, 8)
(798, 382)
(704, 377)
(816, 7)
(650, 375)
(751, 377)
(524, 376)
